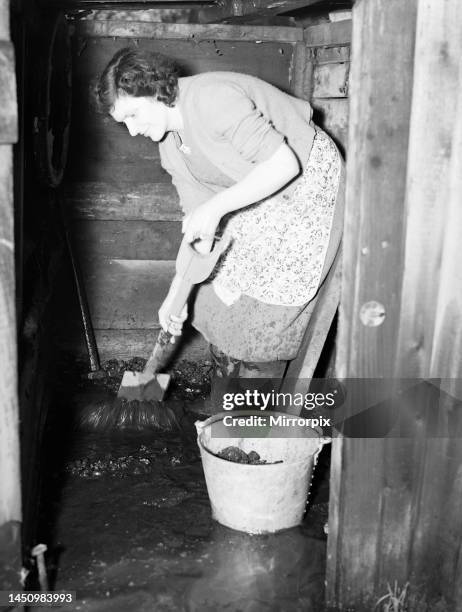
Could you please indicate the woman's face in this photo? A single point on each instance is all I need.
(145, 116)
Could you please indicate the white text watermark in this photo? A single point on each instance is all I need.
(259, 400)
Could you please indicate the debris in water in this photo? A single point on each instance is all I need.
(138, 460)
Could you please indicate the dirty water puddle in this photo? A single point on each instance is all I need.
(128, 522)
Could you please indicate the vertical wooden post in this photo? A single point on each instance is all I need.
(380, 103)
(395, 503)
(430, 330)
(10, 497)
(431, 308)
(301, 71)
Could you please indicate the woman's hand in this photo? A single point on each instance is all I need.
(171, 323)
(201, 225)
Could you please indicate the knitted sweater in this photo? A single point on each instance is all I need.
(232, 121)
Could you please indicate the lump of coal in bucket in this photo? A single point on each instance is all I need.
(233, 453)
(254, 457)
(237, 455)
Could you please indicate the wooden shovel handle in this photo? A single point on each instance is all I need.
(160, 354)
(163, 347)
(195, 267)
(180, 298)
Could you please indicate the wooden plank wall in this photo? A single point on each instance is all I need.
(329, 52)
(10, 498)
(395, 503)
(125, 210)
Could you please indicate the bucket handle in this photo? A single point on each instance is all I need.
(323, 440)
(199, 426)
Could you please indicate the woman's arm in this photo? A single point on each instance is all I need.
(265, 179)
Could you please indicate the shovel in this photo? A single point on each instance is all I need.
(192, 268)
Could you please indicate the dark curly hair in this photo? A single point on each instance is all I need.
(138, 73)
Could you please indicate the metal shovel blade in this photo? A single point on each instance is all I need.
(140, 386)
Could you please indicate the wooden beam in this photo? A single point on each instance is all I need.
(430, 308)
(301, 76)
(430, 334)
(196, 32)
(360, 560)
(328, 34)
(8, 106)
(182, 11)
(126, 4)
(129, 343)
(332, 55)
(331, 80)
(374, 241)
(10, 476)
(402, 239)
(126, 293)
(332, 115)
(154, 240)
(301, 369)
(10, 499)
(262, 9)
(10, 555)
(126, 202)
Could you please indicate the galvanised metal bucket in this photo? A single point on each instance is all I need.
(259, 498)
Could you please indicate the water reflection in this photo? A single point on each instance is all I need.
(283, 571)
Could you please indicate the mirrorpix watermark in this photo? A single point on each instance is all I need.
(276, 420)
(299, 409)
(256, 399)
(353, 408)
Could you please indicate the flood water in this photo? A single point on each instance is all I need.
(127, 520)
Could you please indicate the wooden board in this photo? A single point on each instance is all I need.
(118, 201)
(269, 60)
(430, 336)
(115, 343)
(10, 461)
(10, 506)
(301, 369)
(103, 150)
(330, 80)
(8, 106)
(327, 55)
(301, 75)
(434, 188)
(100, 137)
(332, 115)
(126, 294)
(328, 34)
(128, 343)
(154, 240)
(402, 250)
(373, 249)
(198, 32)
(125, 344)
(115, 171)
(259, 10)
